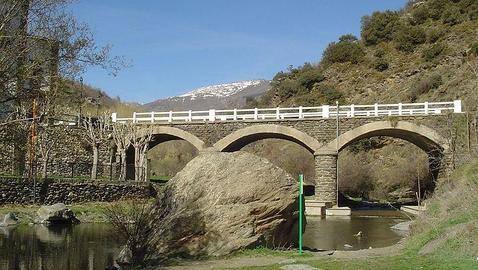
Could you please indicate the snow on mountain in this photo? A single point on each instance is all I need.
(220, 96)
(221, 90)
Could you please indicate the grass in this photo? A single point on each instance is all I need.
(85, 212)
(389, 263)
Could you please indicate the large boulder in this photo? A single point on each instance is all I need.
(56, 214)
(223, 202)
(9, 220)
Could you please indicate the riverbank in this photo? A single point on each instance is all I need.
(443, 237)
(394, 257)
(86, 212)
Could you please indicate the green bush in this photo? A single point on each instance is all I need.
(425, 84)
(436, 8)
(419, 15)
(381, 64)
(470, 8)
(474, 49)
(433, 52)
(434, 34)
(380, 26)
(452, 16)
(342, 52)
(309, 77)
(408, 37)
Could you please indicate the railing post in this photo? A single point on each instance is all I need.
(190, 116)
(376, 109)
(457, 106)
(325, 111)
(300, 112)
(352, 110)
(255, 113)
(212, 115)
(235, 114)
(277, 113)
(170, 118)
(426, 107)
(134, 117)
(400, 108)
(114, 116)
(152, 117)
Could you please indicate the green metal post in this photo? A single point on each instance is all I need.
(301, 194)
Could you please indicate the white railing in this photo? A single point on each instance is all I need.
(325, 111)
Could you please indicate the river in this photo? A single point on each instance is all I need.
(93, 246)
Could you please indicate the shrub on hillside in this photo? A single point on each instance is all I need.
(380, 26)
(452, 16)
(309, 77)
(474, 49)
(433, 52)
(434, 34)
(436, 8)
(425, 84)
(408, 37)
(381, 64)
(343, 51)
(419, 15)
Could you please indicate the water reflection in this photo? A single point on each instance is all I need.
(92, 246)
(334, 233)
(80, 247)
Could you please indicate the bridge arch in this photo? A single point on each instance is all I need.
(420, 135)
(164, 134)
(244, 136)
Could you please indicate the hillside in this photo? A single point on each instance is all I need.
(221, 96)
(427, 51)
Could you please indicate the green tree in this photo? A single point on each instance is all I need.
(408, 37)
(343, 51)
(380, 26)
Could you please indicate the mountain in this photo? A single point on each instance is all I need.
(221, 96)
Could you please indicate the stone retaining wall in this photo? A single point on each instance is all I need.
(20, 191)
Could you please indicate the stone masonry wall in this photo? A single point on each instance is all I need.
(20, 191)
(70, 151)
(326, 182)
(323, 130)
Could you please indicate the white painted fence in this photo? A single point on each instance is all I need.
(325, 111)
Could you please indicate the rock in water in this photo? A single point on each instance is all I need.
(56, 214)
(9, 220)
(223, 202)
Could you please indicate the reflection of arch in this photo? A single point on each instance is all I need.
(242, 137)
(422, 136)
(164, 134)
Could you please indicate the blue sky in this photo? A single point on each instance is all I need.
(178, 45)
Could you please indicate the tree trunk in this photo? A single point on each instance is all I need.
(122, 164)
(94, 167)
(137, 165)
(44, 168)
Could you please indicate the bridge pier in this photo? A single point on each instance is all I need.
(326, 177)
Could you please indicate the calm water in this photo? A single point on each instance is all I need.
(333, 233)
(80, 247)
(92, 246)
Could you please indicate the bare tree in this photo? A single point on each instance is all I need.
(136, 223)
(97, 132)
(41, 43)
(46, 141)
(122, 137)
(140, 139)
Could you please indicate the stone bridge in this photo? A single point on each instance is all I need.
(324, 131)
